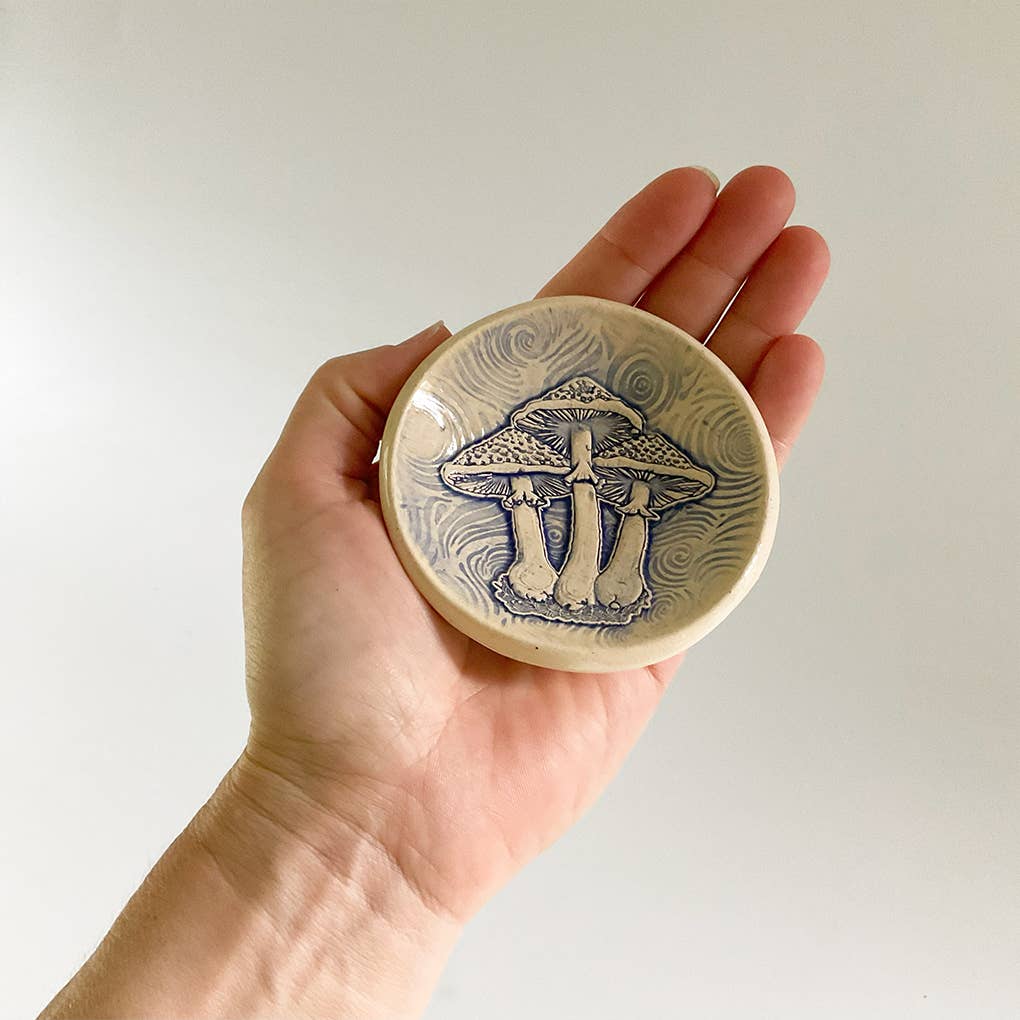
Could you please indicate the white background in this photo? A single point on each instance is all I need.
(202, 201)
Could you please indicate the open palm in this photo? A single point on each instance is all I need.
(458, 763)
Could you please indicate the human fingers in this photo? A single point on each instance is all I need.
(693, 291)
(640, 239)
(778, 292)
(785, 386)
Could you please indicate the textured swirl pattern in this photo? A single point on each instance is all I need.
(696, 553)
(638, 374)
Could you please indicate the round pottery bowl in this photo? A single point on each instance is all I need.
(578, 484)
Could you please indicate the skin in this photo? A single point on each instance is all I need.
(396, 774)
(531, 574)
(622, 581)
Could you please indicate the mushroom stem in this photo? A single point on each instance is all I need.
(622, 582)
(576, 584)
(580, 457)
(531, 575)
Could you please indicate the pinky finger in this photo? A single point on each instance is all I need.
(785, 386)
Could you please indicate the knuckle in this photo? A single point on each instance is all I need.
(329, 371)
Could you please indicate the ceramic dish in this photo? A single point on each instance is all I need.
(578, 484)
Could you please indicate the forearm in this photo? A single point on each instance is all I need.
(265, 905)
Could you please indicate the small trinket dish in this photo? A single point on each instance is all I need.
(578, 484)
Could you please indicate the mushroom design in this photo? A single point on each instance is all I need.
(640, 477)
(525, 474)
(579, 419)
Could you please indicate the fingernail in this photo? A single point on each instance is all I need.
(428, 331)
(708, 173)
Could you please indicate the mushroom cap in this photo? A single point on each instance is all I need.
(487, 468)
(554, 415)
(671, 476)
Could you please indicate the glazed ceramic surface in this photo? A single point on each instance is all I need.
(578, 484)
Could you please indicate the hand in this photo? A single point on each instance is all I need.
(369, 712)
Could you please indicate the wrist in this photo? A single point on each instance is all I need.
(338, 927)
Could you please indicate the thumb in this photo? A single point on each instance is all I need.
(333, 433)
